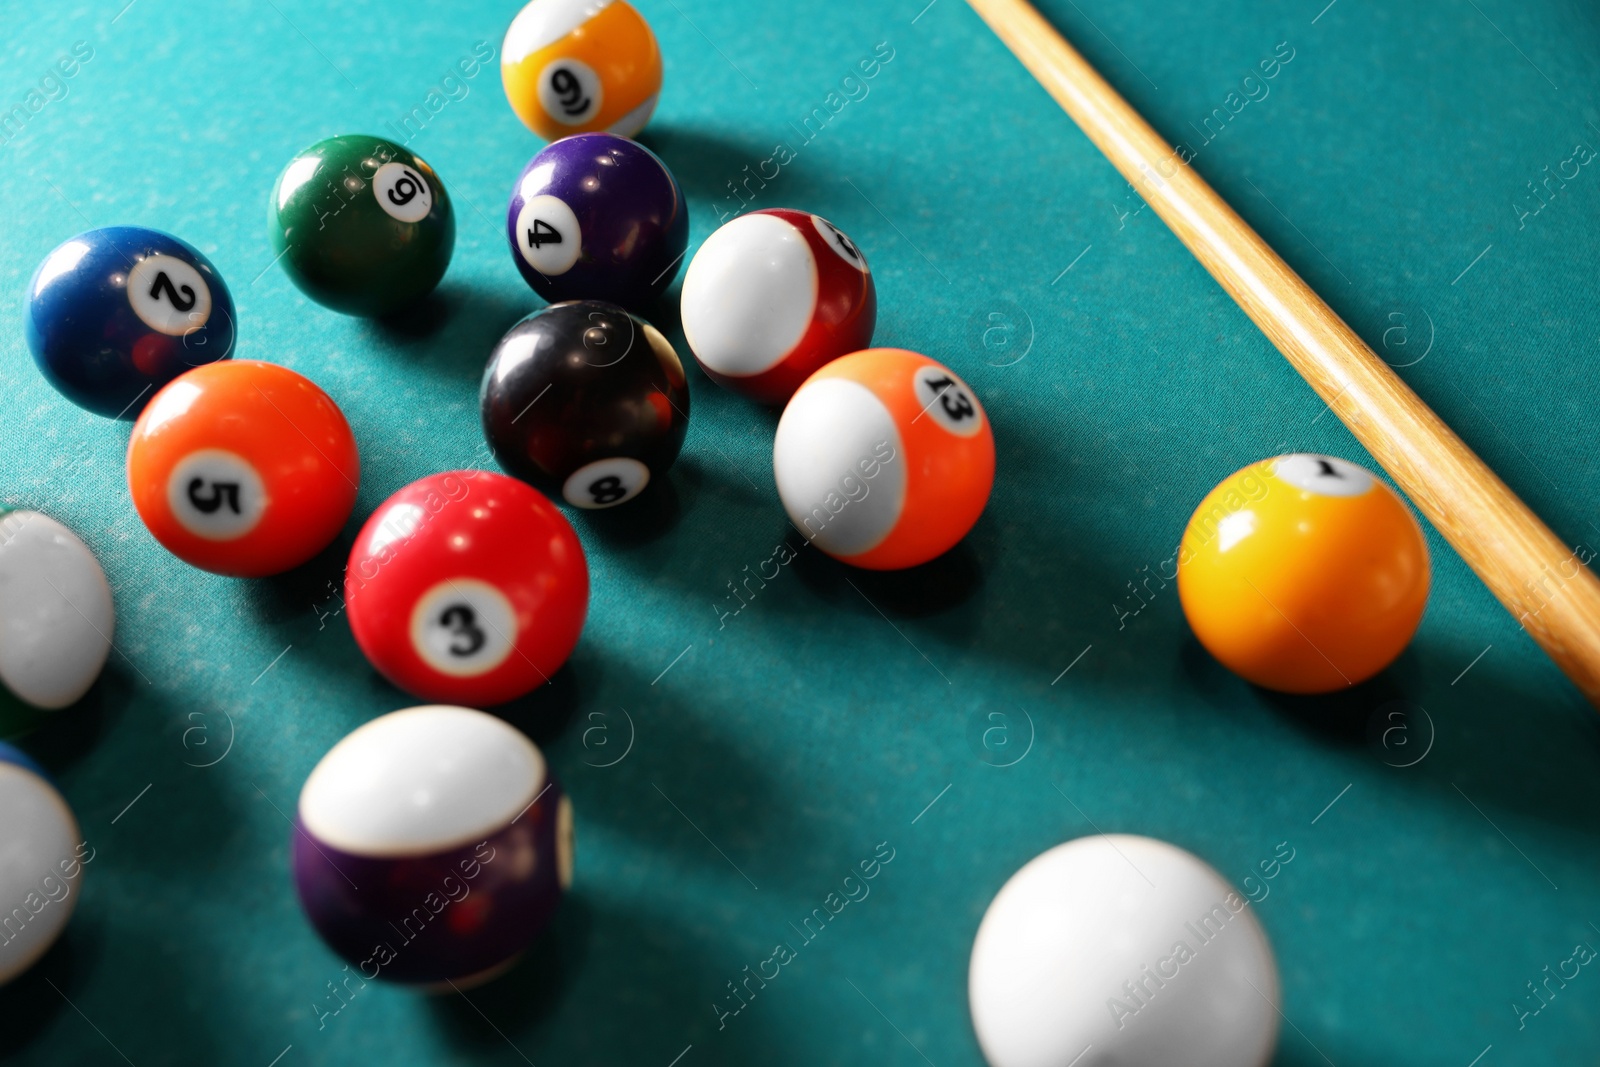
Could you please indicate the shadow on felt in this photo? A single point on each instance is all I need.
(141, 1013)
(28, 1002)
(452, 330)
(704, 163)
(655, 969)
(58, 739)
(1494, 740)
(685, 774)
(281, 598)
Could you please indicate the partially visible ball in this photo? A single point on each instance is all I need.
(115, 314)
(884, 459)
(56, 618)
(1119, 949)
(773, 296)
(432, 846)
(585, 402)
(243, 468)
(361, 225)
(467, 587)
(578, 66)
(41, 862)
(598, 217)
(1303, 573)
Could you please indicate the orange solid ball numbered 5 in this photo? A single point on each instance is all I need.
(243, 468)
(1303, 574)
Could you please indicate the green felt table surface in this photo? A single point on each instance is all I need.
(729, 769)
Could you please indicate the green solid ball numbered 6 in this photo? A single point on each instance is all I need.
(361, 225)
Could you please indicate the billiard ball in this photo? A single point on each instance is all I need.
(771, 297)
(1127, 945)
(1303, 573)
(361, 225)
(44, 855)
(585, 402)
(56, 618)
(467, 586)
(597, 217)
(114, 314)
(578, 66)
(431, 846)
(243, 468)
(884, 459)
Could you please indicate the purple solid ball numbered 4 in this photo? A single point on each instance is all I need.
(598, 217)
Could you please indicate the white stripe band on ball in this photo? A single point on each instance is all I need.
(840, 466)
(421, 781)
(56, 617)
(544, 22)
(635, 120)
(749, 295)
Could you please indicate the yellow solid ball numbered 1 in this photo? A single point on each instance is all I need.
(1304, 574)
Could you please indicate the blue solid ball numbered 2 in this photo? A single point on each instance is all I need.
(114, 314)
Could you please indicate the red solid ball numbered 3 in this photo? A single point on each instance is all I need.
(467, 587)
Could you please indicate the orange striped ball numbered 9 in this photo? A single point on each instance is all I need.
(581, 66)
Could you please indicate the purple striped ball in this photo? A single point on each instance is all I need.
(432, 846)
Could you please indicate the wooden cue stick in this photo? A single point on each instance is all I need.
(1539, 580)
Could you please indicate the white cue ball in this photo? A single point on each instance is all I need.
(1122, 951)
(56, 620)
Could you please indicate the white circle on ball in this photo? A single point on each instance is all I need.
(548, 235)
(564, 842)
(1126, 945)
(402, 192)
(840, 466)
(570, 91)
(749, 295)
(39, 840)
(463, 627)
(1323, 475)
(421, 781)
(169, 295)
(56, 617)
(605, 483)
(947, 400)
(216, 494)
(841, 245)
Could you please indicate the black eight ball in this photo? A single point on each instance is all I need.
(585, 402)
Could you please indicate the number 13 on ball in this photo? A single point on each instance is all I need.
(884, 459)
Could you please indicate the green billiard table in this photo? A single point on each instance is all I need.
(746, 722)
